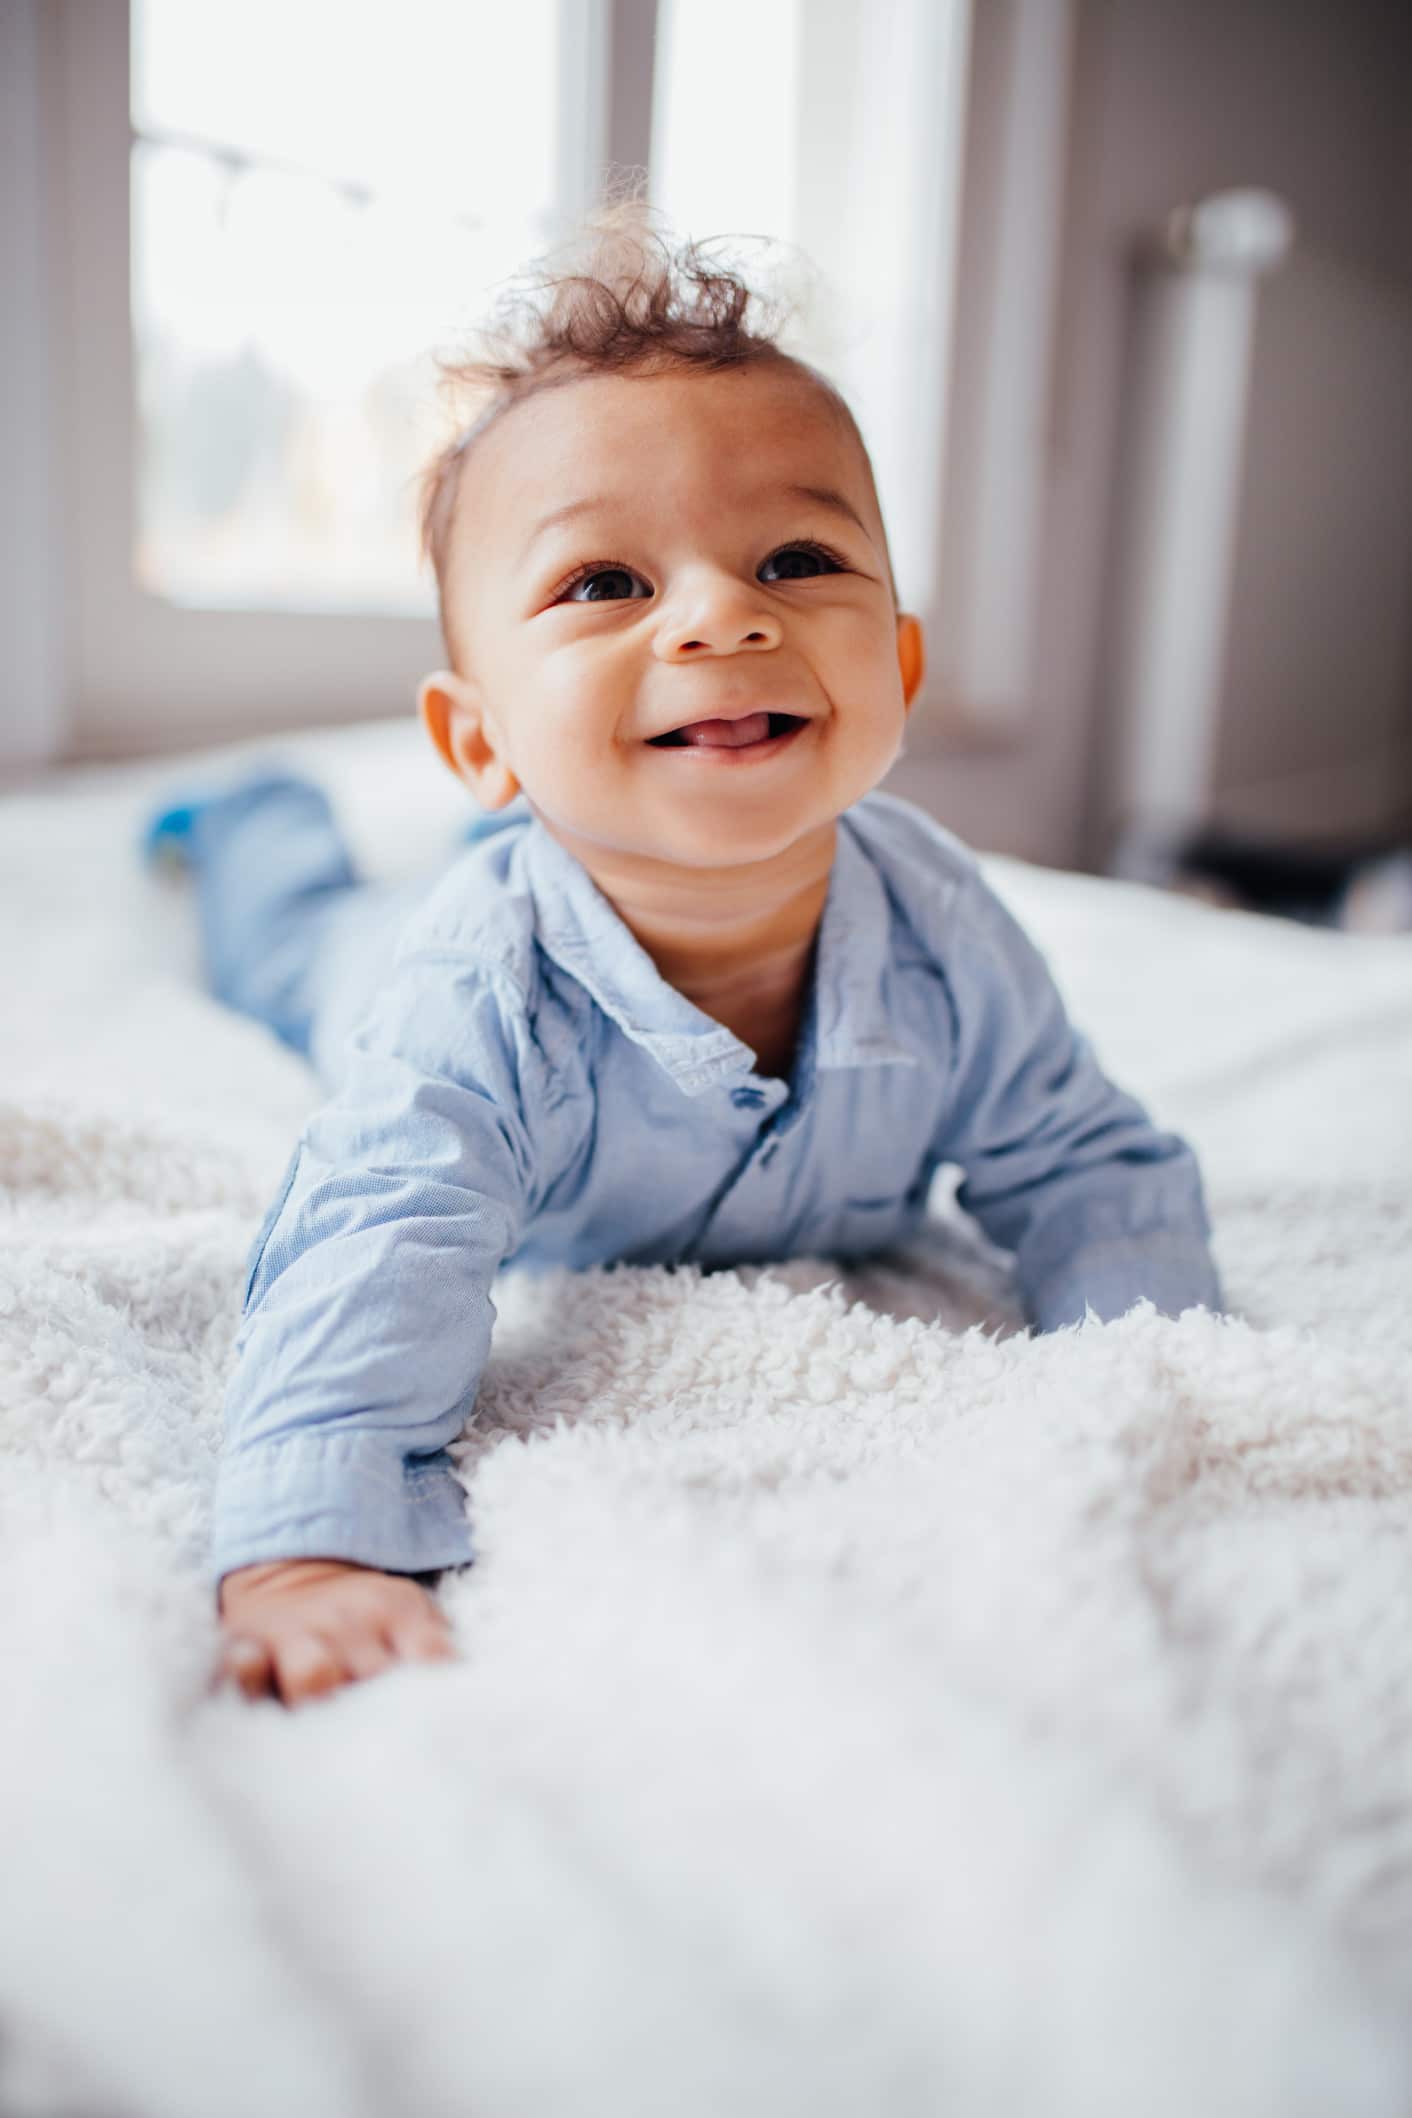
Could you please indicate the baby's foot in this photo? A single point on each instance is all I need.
(170, 837)
(166, 840)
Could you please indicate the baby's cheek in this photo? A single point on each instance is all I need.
(575, 714)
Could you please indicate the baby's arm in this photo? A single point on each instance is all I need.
(1059, 1165)
(367, 1323)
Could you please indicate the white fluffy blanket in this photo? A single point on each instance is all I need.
(864, 1708)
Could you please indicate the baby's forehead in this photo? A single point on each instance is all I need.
(741, 427)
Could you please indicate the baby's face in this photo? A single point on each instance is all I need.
(636, 554)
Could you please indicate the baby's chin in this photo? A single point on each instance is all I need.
(799, 841)
(707, 843)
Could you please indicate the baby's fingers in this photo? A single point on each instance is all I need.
(422, 1636)
(365, 1652)
(307, 1666)
(247, 1663)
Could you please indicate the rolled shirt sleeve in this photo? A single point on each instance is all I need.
(367, 1315)
(1059, 1166)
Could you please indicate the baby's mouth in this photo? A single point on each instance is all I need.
(729, 735)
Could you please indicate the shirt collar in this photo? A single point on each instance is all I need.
(583, 932)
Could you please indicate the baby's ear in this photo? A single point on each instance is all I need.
(453, 719)
(911, 653)
(434, 700)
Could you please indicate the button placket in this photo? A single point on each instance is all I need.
(785, 1118)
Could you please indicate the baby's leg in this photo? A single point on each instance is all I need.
(273, 878)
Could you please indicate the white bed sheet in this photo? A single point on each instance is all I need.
(863, 1707)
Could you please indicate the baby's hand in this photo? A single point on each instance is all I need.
(300, 1627)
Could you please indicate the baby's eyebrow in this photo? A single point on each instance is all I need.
(828, 496)
(561, 514)
(822, 495)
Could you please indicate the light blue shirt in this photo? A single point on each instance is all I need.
(526, 1089)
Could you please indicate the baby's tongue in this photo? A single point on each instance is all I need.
(728, 735)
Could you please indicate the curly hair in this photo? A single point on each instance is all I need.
(617, 298)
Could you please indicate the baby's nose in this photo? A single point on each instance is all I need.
(715, 645)
(719, 625)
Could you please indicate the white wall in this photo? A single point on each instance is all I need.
(1314, 735)
(1171, 99)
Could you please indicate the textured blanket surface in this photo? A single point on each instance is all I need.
(863, 1707)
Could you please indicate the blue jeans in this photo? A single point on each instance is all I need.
(291, 933)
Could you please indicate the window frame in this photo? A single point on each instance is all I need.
(142, 675)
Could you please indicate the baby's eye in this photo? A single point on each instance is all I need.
(815, 558)
(601, 584)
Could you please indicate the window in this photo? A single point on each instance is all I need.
(295, 258)
(238, 424)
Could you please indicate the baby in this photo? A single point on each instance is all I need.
(693, 992)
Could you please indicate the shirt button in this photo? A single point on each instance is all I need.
(747, 1098)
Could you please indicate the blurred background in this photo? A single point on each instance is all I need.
(1120, 292)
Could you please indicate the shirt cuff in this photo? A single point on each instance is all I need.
(334, 1494)
(1170, 1267)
